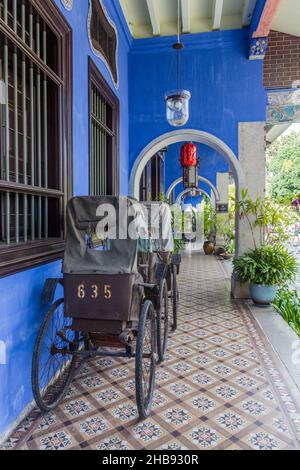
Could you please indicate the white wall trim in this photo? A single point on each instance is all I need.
(200, 179)
(188, 190)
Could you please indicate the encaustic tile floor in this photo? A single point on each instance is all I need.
(221, 386)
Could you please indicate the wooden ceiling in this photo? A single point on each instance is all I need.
(147, 18)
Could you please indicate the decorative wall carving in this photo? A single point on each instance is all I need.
(68, 4)
(283, 106)
(103, 37)
(258, 48)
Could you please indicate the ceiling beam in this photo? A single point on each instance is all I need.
(217, 13)
(186, 16)
(154, 18)
(264, 24)
(248, 10)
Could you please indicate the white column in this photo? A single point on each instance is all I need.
(223, 188)
(252, 157)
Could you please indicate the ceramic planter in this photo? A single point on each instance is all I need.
(208, 248)
(263, 296)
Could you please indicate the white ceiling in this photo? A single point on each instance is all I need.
(147, 18)
(287, 17)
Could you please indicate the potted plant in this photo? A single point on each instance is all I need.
(265, 268)
(225, 232)
(229, 247)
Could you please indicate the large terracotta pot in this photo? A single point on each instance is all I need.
(208, 248)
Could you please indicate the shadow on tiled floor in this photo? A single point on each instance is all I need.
(221, 386)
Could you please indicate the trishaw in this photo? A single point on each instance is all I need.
(162, 246)
(109, 302)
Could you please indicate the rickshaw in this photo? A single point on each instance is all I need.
(162, 246)
(102, 306)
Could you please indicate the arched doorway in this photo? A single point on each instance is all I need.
(182, 136)
(201, 179)
(187, 191)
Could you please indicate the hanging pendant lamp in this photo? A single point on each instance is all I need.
(178, 101)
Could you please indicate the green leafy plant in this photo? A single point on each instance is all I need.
(283, 168)
(225, 229)
(178, 245)
(287, 304)
(272, 220)
(209, 214)
(229, 241)
(219, 223)
(269, 265)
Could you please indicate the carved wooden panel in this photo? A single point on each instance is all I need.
(103, 37)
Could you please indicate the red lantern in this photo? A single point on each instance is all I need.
(188, 155)
(189, 163)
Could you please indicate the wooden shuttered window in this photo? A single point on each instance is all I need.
(104, 136)
(35, 122)
(152, 183)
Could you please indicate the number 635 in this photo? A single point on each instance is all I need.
(107, 294)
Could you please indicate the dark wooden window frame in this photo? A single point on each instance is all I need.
(20, 257)
(96, 77)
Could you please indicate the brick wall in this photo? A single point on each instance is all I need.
(282, 61)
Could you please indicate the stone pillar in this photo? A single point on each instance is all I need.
(252, 157)
(223, 188)
(213, 199)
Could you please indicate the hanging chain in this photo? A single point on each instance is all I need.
(178, 20)
(178, 42)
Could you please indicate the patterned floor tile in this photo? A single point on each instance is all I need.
(147, 432)
(221, 386)
(60, 440)
(263, 441)
(93, 426)
(204, 437)
(112, 443)
(231, 422)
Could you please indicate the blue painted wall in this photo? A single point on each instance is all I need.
(21, 311)
(226, 87)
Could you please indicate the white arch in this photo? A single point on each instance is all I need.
(183, 135)
(186, 191)
(201, 179)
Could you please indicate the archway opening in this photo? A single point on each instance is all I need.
(188, 192)
(159, 146)
(178, 136)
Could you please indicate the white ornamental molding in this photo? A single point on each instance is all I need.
(68, 4)
(97, 52)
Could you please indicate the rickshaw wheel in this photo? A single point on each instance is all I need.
(53, 364)
(175, 297)
(145, 360)
(162, 317)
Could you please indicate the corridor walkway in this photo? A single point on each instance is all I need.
(221, 386)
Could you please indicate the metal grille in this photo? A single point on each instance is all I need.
(30, 187)
(102, 136)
